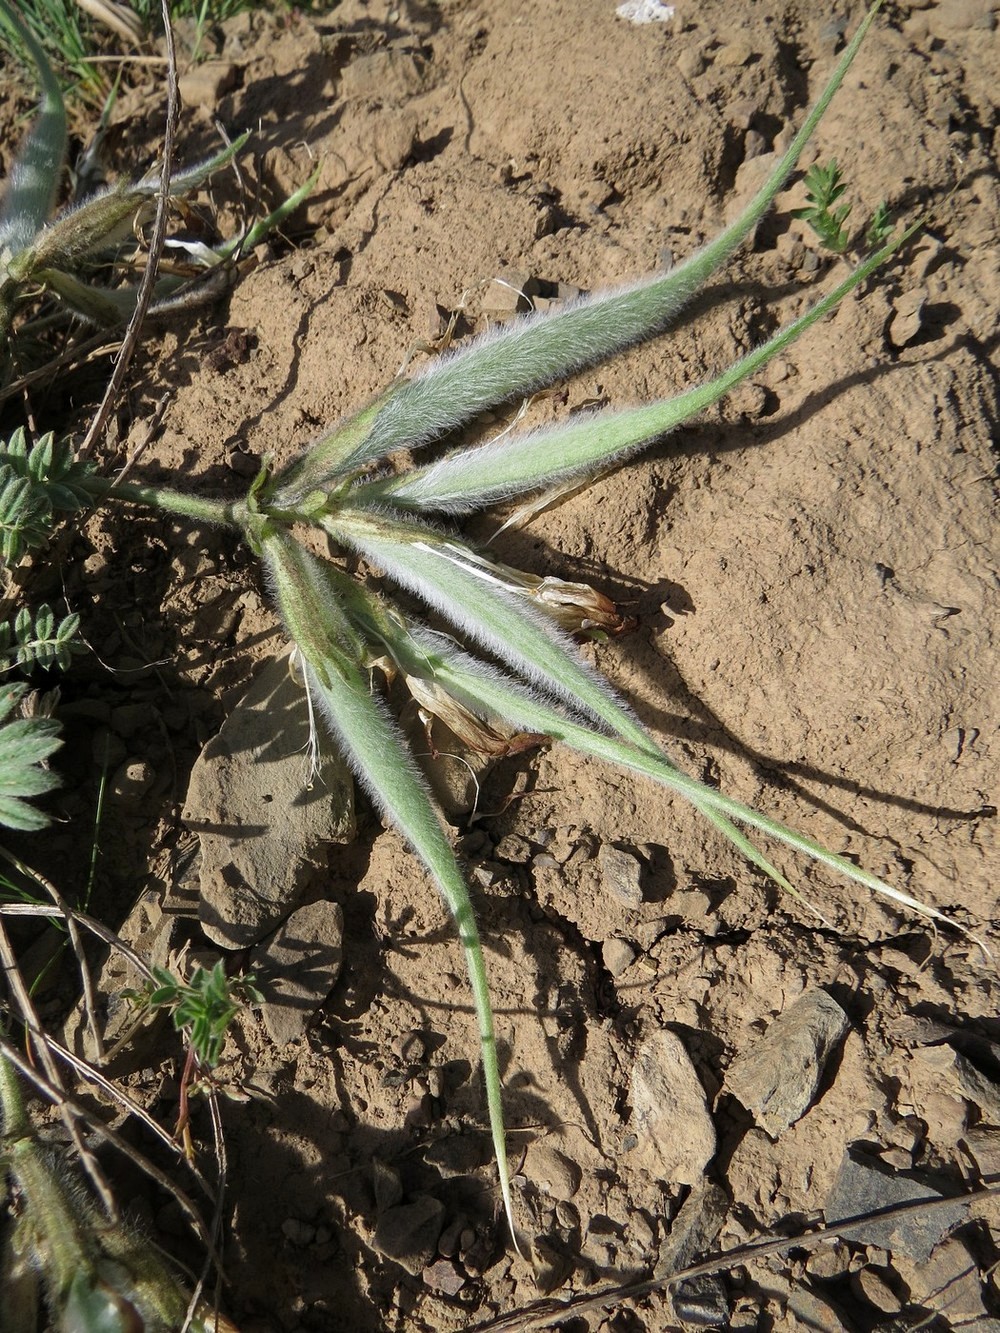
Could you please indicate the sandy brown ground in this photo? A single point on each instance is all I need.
(812, 573)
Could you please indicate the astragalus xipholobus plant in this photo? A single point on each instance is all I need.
(503, 668)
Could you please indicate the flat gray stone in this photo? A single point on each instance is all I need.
(702, 1301)
(621, 873)
(298, 968)
(408, 1234)
(695, 1229)
(673, 1131)
(864, 1185)
(263, 824)
(776, 1080)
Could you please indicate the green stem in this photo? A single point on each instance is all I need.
(15, 1120)
(196, 507)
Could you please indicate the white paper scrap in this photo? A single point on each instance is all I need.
(645, 11)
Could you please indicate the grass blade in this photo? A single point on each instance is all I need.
(34, 179)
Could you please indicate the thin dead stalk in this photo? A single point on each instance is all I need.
(156, 243)
(550, 1313)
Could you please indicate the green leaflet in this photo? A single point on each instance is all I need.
(542, 348)
(379, 755)
(468, 479)
(25, 745)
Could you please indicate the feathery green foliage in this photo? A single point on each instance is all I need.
(824, 186)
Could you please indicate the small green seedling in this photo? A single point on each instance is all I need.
(824, 186)
(880, 227)
(203, 1007)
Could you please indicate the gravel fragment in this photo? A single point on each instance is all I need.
(874, 1285)
(675, 1136)
(618, 955)
(695, 1230)
(948, 1282)
(829, 1261)
(445, 1277)
(551, 1171)
(907, 318)
(864, 1185)
(621, 873)
(408, 1234)
(777, 1079)
(702, 1301)
(984, 1145)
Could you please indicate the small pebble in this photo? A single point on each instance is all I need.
(450, 1238)
(734, 54)
(298, 1232)
(445, 1277)
(829, 1261)
(552, 1172)
(864, 1186)
(618, 955)
(907, 319)
(691, 63)
(243, 464)
(778, 1078)
(872, 1285)
(621, 873)
(673, 1132)
(132, 780)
